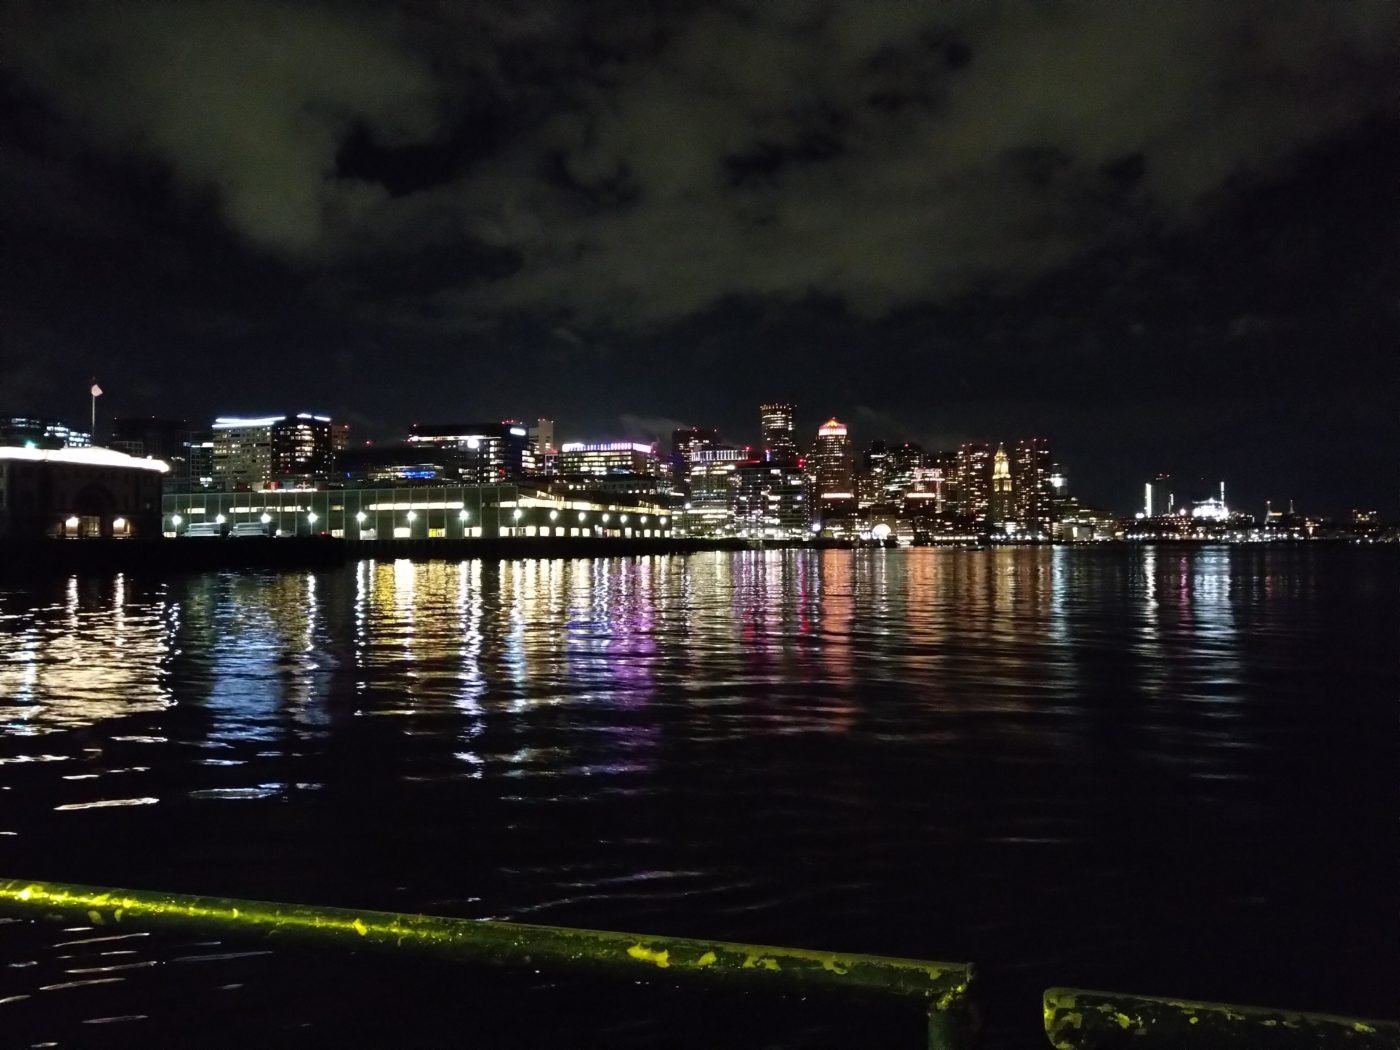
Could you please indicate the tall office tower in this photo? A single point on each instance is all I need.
(831, 461)
(686, 443)
(779, 437)
(253, 453)
(974, 482)
(1003, 504)
(1031, 470)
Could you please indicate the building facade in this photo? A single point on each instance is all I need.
(291, 450)
(425, 512)
(78, 493)
(608, 457)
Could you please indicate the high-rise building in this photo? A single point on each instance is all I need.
(974, 482)
(252, 453)
(830, 462)
(1003, 504)
(779, 436)
(686, 443)
(163, 439)
(1031, 473)
(485, 453)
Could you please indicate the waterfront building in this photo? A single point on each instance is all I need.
(483, 453)
(288, 450)
(78, 493)
(830, 462)
(608, 457)
(41, 432)
(776, 424)
(412, 512)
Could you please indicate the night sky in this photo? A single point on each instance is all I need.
(1166, 236)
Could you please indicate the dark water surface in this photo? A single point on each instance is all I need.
(1165, 771)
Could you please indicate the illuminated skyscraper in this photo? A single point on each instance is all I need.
(1031, 471)
(1002, 504)
(974, 482)
(779, 438)
(831, 460)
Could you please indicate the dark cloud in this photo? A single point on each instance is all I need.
(929, 210)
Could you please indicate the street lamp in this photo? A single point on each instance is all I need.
(311, 519)
(218, 519)
(583, 515)
(554, 515)
(175, 520)
(360, 517)
(72, 522)
(265, 518)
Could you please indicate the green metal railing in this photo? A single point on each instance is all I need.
(940, 987)
(1075, 1019)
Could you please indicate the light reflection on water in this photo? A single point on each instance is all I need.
(1111, 760)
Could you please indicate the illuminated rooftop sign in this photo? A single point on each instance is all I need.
(87, 457)
(605, 446)
(236, 422)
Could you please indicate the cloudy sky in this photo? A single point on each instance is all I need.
(1166, 235)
